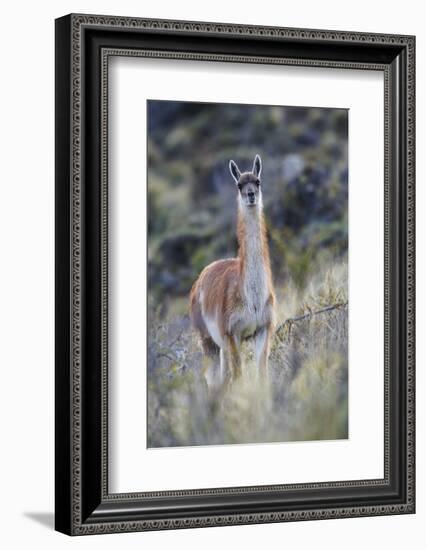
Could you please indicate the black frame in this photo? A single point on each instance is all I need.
(83, 46)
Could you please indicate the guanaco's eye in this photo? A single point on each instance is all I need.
(258, 182)
(240, 186)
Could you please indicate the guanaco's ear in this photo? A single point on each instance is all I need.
(257, 166)
(233, 168)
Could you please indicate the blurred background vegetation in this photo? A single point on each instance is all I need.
(192, 222)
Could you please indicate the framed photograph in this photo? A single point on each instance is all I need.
(234, 274)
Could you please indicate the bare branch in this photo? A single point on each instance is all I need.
(288, 322)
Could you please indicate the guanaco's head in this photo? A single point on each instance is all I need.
(248, 183)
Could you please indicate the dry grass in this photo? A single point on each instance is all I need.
(305, 397)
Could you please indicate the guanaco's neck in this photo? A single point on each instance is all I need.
(253, 252)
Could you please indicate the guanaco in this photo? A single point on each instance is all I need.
(233, 299)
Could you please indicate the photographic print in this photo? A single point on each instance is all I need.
(202, 248)
(202, 311)
(247, 273)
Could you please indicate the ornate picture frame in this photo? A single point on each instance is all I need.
(84, 44)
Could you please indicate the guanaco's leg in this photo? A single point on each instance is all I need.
(230, 359)
(225, 364)
(262, 346)
(211, 372)
(236, 357)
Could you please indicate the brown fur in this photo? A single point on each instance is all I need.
(221, 280)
